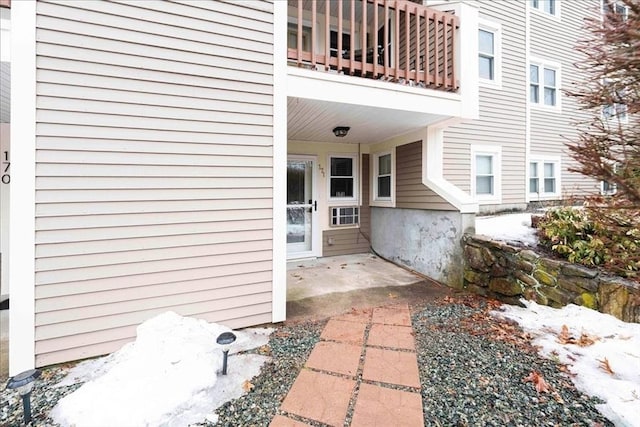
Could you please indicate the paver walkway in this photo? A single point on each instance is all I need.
(365, 365)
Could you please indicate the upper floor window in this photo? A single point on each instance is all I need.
(489, 53)
(544, 84)
(616, 109)
(616, 7)
(548, 6)
(486, 52)
(342, 178)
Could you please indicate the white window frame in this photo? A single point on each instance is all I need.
(383, 201)
(541, 194)
(496, 29)
(616, 4)
(613, 188)
(543, 64)
(539, 7)
(496, 165)
(622, 117)
(354, 170)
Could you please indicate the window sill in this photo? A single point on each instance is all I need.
(548, 108)
(382, 203)
(490, 84)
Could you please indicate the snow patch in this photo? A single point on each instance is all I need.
(509, 228)
(618, 342)
(169, 376)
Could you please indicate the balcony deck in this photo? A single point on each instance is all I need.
(391, 40)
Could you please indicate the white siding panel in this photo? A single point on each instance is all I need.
(144, 79)
(49, 301)
(62, 209)
(128, 306)
(175, 279)
(134, 317)
(154, 168)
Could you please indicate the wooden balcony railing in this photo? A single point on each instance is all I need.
(393, 40)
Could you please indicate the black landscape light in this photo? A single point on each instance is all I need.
(225, 339)
(23, 383)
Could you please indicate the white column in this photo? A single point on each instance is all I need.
(22, 197)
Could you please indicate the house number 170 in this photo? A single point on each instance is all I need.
(6, 177)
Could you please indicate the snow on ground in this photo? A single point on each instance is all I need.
(616, 346)
(169, 376)
(509, 228)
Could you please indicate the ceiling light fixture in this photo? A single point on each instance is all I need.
(341, 131)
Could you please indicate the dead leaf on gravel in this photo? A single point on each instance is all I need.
(247, 386)
(605, 366)
(393, 296)
(538, 382)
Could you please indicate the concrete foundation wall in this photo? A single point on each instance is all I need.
(426, 241)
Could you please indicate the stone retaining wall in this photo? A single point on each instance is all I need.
(508, 273)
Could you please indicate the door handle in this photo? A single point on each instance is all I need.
(315, 205)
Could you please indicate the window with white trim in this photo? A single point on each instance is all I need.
(544, 178)
(617, 109)
(383, 176)
(544, 84)
(609, 188)
(342, 177)
(616, 7)
(486, 53)
(486, 171)
(547, 6)
(489, 52)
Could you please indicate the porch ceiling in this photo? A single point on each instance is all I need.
(314, 120)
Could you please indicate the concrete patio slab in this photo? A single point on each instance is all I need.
(381, 406)
(343, 273)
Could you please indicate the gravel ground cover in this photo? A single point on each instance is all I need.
(472, 367)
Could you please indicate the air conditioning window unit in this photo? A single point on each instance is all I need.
(344, 215)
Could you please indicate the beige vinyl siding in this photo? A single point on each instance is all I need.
(345, 241)
(502, 110)
(551, 130)
(411, 193)
(154, 168)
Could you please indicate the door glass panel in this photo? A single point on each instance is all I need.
(299, 205)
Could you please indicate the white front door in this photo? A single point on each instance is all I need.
(302, 207)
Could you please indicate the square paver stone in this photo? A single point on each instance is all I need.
(381, 406)
(319, 397)
(362, 315)
(337, 357)
(344, 331)
(392, 315)
(391, 336)
(391, 367)
(281, 421)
